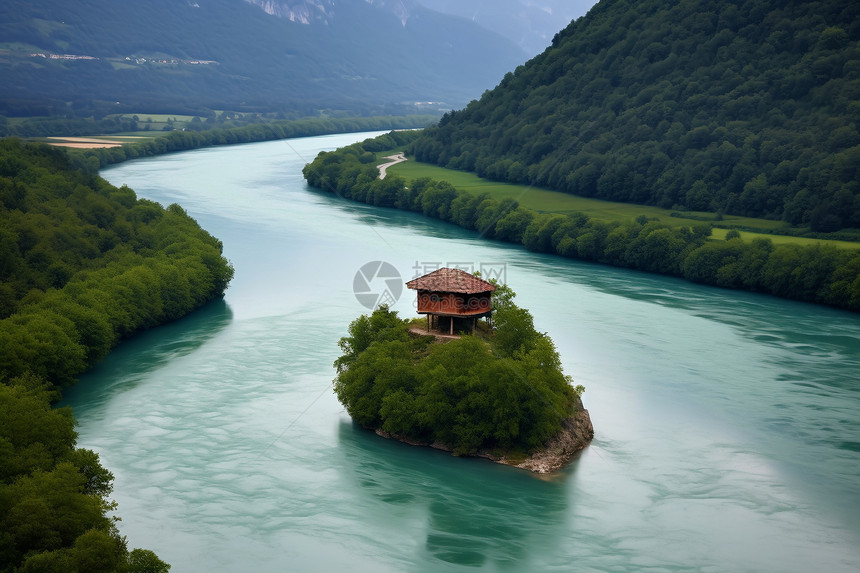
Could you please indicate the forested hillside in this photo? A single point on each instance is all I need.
(83, 265)
(747, 107)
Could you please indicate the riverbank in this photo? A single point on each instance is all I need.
(91, 158)
(818, 274)
(577, 432)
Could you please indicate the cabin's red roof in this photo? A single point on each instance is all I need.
(450, 280)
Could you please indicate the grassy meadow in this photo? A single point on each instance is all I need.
(546, 201)
(159, 121)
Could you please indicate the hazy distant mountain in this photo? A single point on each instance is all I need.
(295, 55)
(531, 24)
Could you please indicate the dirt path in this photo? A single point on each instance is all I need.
(393, 160)
(421, 331)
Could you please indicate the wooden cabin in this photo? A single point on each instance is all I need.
(452, 298)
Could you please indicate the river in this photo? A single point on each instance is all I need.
(727, 424)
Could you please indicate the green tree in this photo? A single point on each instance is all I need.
(514, 331)
(512, 226)
(145, 561)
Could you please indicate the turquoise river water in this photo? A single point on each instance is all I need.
(727, 424)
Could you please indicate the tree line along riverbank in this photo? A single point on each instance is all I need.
(91, 160)
(818, 274)
(83, 265)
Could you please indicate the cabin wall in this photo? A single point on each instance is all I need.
(453, 303)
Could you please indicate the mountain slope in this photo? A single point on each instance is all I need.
(292, 55)
(530, 24)
(743, 107)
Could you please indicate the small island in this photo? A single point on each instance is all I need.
(494, 389)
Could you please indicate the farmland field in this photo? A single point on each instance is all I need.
(96, 141)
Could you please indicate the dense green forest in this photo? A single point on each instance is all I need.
(83, 265)
(507, 395)
(66, 126)
(819, 274)
(748, 107)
